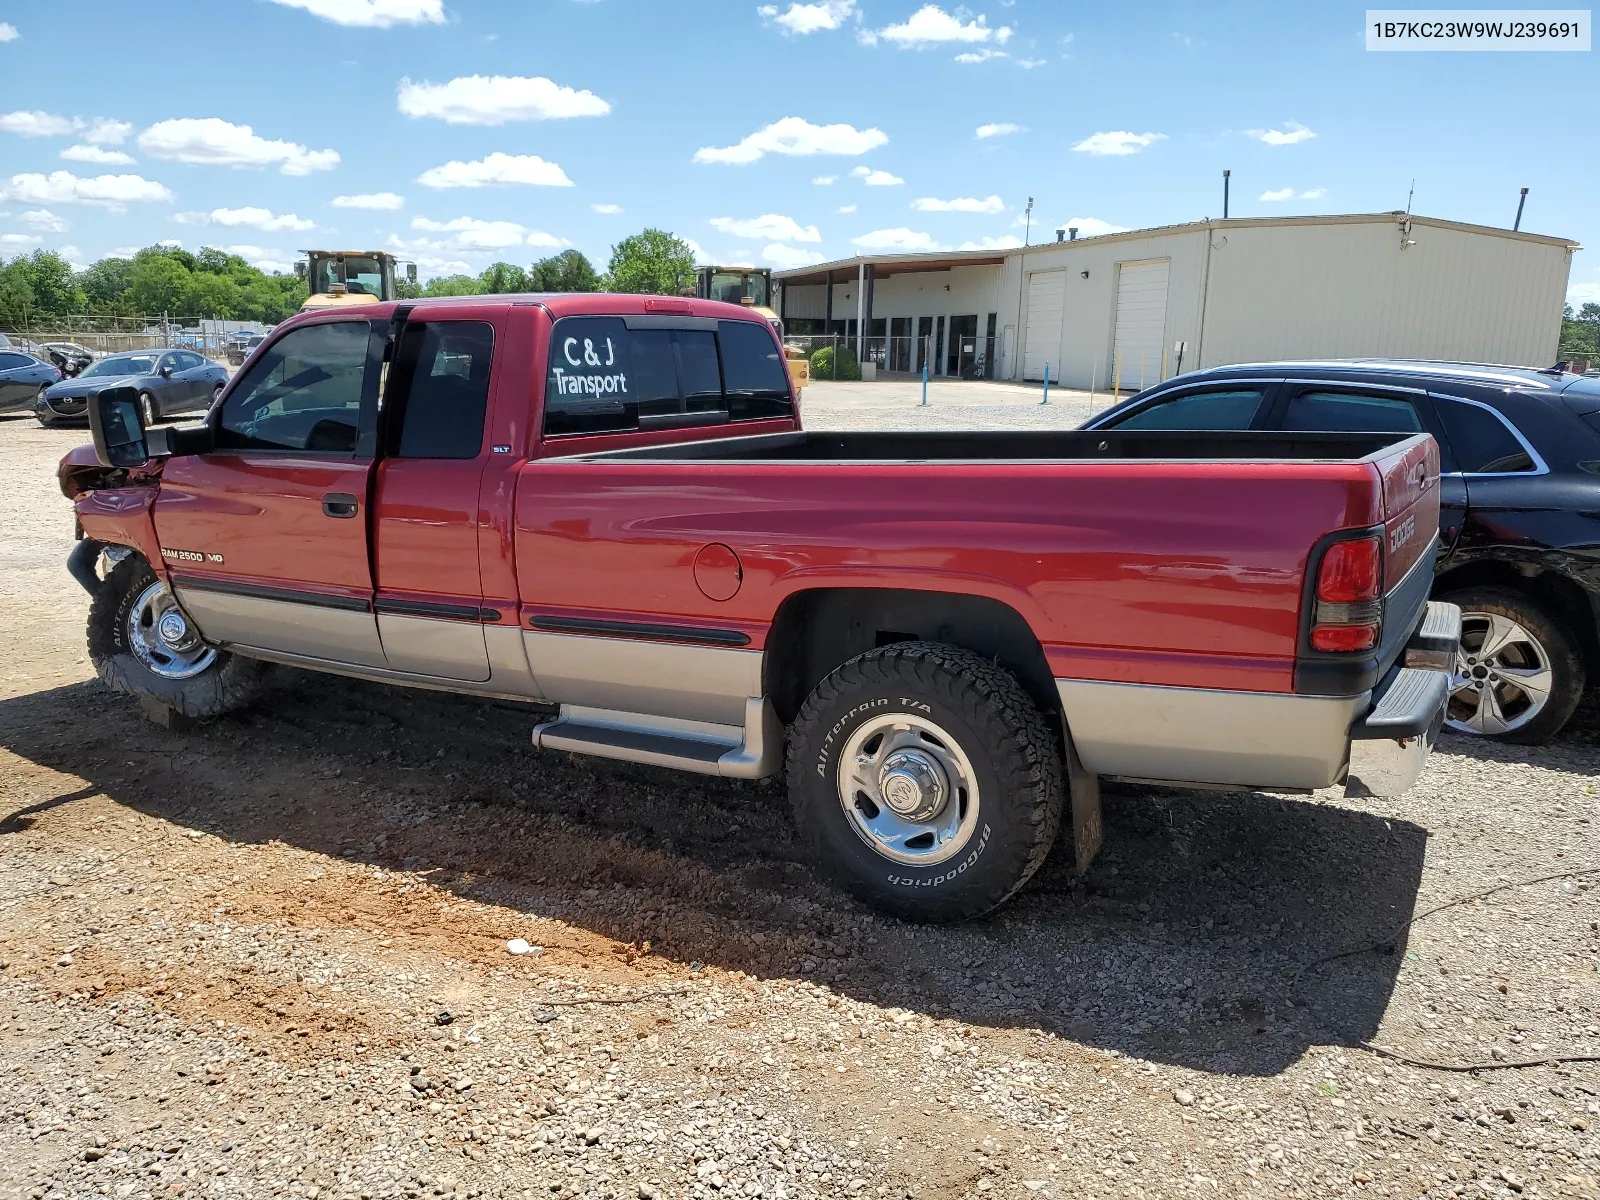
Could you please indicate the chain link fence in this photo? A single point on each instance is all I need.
(105, 334)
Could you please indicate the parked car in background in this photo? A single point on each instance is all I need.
(1519, 505)
(239, 347)
(69, 357)
(22, 378)
(168, 381)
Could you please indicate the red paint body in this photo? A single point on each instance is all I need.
(1180, 573)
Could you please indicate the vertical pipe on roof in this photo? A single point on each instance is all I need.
(861, 301)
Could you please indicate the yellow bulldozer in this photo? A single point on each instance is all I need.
(752, 287)
(343, 278)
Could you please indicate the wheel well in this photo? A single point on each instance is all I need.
(815, 631)
(1553, 591)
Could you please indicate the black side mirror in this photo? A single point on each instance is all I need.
(117, 428)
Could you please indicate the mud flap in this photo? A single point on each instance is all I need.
(1083, 787)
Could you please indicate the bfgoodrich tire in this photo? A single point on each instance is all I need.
(1526, 688)
(131, 654)
(925, 780)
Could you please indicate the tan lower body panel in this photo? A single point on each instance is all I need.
(311, 630)
(1198, 735)
(663, 679)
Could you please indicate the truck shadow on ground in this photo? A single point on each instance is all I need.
(1194, 940)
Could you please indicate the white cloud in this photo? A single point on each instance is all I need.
(108, 132)
(469, 235)
(876, 178)
(999, 129)
(1277, 195)
(17, 241)
(211, 141)
(380, 201)
(606, 210)
(495, 170)
(773, 226)
(980, 56)
(809, 18)
(885, 240)
(930, 25)
(824, 180)
(97, 155)
(373, 14)
(1091, 226)
(44, 221)
(263, 219)
(34, 123)
(8, 32)
(784, 257)
(794, 136)
(496, 99)
(1004, 242)
(1117, 142)
(962, 204)
(1291, 134)
(74, 257)
(1028, 64)
(113, 192)
(845, 208)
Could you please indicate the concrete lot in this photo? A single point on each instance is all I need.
(952, 404)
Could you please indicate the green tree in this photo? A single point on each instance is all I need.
(653, 262)
(1580, 332)
(105, 285)
(502, 279)
(49, 278)
(452, 285)
(157, 283)
(569, 271)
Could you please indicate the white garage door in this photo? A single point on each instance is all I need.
(1043, 341)
(1141, 320)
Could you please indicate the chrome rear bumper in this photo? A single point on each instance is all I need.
(1390, 745)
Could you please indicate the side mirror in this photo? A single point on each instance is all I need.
(117, 428)
(166, 372)
(301, 269)
(411, 272)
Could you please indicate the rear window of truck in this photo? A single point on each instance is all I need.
(607, 378)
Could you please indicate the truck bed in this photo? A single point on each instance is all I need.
(1021, 447)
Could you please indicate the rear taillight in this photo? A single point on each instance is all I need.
(1349, 601)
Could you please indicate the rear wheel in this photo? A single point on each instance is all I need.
(149, 413)
(216, 394)
(926, 781)
(142, 644)
(1518, 676)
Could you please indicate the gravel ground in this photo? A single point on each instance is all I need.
(269, 959)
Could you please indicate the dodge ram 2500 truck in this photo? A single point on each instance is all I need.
(607, 504)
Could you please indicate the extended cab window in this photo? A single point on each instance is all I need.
(303, 394)
(1233, 409)
(607, 378)
(1482, 442)
(441, 390)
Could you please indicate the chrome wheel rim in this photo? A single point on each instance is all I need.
(908, 789)
(1502, 677)
(147, 409)
(162, 638)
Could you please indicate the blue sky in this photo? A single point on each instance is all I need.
(459, 132)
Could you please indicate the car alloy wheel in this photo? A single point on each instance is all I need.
(1502, 677)
(147, 409)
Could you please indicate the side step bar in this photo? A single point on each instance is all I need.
(752, 752)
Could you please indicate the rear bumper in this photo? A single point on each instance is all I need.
(1390, 745)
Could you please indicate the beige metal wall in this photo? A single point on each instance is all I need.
(1350, 290)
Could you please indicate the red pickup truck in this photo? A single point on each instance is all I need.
(607, 504)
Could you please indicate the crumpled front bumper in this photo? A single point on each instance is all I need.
(1391, 744)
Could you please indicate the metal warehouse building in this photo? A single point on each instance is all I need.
(1140, 306)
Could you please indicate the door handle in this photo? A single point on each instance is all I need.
(339, 504)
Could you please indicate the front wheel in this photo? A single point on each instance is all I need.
(926, 781)
(1518, 675)
(149, 413)
(142, 644)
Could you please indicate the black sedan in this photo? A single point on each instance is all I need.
(169, 382)
(1519, 496)
(22, 378)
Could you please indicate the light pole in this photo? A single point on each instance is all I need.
(1022, 262)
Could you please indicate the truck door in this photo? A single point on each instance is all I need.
(426, 517)
(266, 536)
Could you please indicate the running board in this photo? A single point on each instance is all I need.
(752, 752)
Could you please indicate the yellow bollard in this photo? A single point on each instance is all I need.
(1141, 372)
(1094, 373)
(1116, 377)
(1163, 362)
